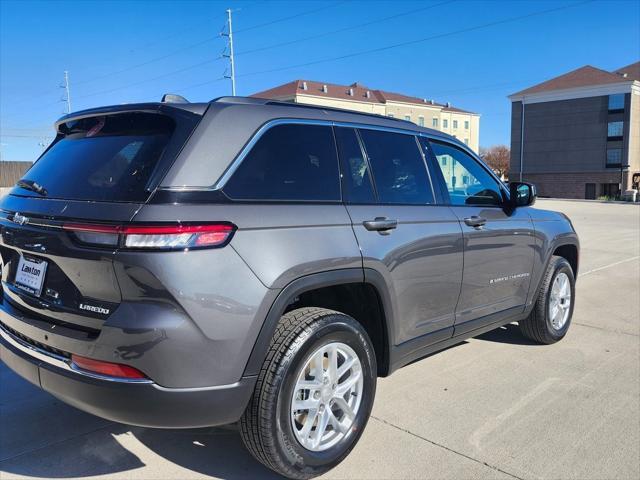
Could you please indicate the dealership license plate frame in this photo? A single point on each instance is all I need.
(27, 281)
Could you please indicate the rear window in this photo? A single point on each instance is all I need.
(289, 162)
(105, 158)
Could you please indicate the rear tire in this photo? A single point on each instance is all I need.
(298, 372)
(550, 318)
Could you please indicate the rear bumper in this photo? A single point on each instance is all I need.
(132, 402)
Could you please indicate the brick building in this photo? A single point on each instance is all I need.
(580, 133)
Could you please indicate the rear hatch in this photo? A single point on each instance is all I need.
(101, 168)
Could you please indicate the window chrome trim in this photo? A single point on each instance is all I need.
(235, 164)
(59, 361)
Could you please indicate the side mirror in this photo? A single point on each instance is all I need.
(522, 194)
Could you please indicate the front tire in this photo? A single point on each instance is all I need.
(550, 318)
(314, 393)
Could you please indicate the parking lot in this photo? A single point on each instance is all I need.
(496, 406)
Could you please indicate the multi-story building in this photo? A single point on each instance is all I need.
(427, 113)
(578, 135)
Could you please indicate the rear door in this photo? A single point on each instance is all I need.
(99, 170)
(412, 242)
(498, 244)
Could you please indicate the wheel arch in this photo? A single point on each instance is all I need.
(565, 245)
(326, 288)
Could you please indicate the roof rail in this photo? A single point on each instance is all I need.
(334, 109)
(267, 101)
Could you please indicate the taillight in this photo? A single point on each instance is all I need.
(153, 237)
(106, 368)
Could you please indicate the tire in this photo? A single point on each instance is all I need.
(540, 326)
(268, 426)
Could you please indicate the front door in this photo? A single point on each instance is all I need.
(499, 245)
(413, 243)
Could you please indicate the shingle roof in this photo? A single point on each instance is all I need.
(584, 77)
(632, 71)
(355, 92)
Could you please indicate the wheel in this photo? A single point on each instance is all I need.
(313, 395)
(551, 315)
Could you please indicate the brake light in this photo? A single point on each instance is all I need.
(153, 237)
(106, 368)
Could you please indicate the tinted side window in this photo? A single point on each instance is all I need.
(289, 162)
(466, 180)
(398, 168)
(356, 179)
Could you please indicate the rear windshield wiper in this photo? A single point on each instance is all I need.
(33, 186)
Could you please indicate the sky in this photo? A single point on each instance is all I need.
(471, 53)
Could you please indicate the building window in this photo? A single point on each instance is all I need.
(445, 123)
(421, 121)
(466, 141)
(616, 102)
(614, 157)
(390, 115)
(466, 125)
(407, 118)
(614, 130)
(434, 123)
(455, 124)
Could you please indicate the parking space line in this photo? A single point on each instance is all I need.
(637, 257)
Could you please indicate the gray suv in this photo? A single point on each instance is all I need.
(195, 264)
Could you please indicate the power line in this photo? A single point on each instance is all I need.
(168, 74)
(181, 49)
(290, 17)
(341, 30)
(420, 40)
(153, 60)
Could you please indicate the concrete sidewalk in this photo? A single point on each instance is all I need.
(493, 407)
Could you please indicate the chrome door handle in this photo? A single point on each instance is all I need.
(380, 224)
(475, 221)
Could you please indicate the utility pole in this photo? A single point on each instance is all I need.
(230, 56)
(67, 97)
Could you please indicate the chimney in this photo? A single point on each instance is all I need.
(368, 94)
(324, 89)
(448, 104)
(351, 92)
(304, 85)
(432, 102)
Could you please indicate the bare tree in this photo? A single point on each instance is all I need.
(498, 158)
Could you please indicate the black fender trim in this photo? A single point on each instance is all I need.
(558, 241)
(311, 282)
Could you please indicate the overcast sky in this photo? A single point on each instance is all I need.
(471, 53)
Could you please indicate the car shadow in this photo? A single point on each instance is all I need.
(44, 438)
(509, 333)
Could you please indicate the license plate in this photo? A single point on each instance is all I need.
(30, 275)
